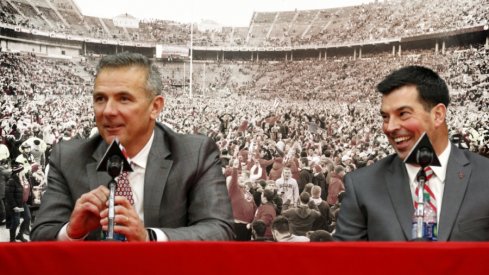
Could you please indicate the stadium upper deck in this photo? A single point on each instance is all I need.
(356, 24)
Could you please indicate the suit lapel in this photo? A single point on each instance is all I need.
(95, 179)
(397, 181)
(456, 181)
(157, 171)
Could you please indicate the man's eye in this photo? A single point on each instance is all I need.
(404, 114)
(98, 99)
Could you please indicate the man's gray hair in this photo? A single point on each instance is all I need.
(127, 59)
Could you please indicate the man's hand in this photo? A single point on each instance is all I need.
(86, 214)
(126, 221)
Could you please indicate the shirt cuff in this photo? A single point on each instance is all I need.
(160, 235)
(63, 235)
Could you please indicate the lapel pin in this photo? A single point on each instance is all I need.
(461, 175)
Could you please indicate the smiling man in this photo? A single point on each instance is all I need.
(379, 200)
(177, 189)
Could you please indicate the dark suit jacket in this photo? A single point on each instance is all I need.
(184, 189)
(378, 205)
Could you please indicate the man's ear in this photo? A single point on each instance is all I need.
(157, 106)
(439, 114)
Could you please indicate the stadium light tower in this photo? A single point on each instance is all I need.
(191, 53)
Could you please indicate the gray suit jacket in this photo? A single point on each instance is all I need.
(184, 189)
(378, 205)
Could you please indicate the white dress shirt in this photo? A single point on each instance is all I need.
(437, 181)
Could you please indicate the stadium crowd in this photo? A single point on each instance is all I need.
(378, 20)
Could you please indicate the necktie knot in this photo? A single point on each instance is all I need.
(429, 173)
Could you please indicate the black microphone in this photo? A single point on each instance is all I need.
(424, 156)
(423, 153)
(114, 166)
(114, 162)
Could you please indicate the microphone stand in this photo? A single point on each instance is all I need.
(423, 157)
(110, 231)
(422, 154)
(114, 169)
(421, 178)
(113, 163)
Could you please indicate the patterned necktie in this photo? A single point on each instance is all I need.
(427, 189)
(123, 186)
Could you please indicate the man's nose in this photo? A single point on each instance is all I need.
(392, 125)
(110, 108)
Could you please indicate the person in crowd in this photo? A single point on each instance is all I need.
(277, 199)
(277, 167)
(266, 211)
(320, 180)
(319, 236)
(302, 218)
(306, 175)
(288, 188)
(225, 120)
(308, 188)
(5, 172)
(281, 231)
(326, 218)
(261, 164)
(178, 189)
(336, 184)
(25, 157)
(258, 229)
(38, 150)
(15, 201)
(242, 203)
(379, 200)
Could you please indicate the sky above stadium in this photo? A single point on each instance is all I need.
(235, 13)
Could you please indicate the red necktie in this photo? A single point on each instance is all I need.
(427, 189)
(123, 186)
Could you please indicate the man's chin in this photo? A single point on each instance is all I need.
(109, 138)
(402, 154)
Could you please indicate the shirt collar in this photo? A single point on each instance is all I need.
(439, 171)
(141, 158)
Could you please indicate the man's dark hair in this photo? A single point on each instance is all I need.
(432, 89)
(281, 224)
(259, 227)
(154, 84)
(262, 183)
(339, 168)
(321, 236)
(268, 194)
(305, 197)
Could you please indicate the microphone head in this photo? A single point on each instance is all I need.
(114, 162)
(423, 153)
(424, 156)
(114, 165)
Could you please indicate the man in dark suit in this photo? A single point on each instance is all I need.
(178, 189)
(378, 205)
